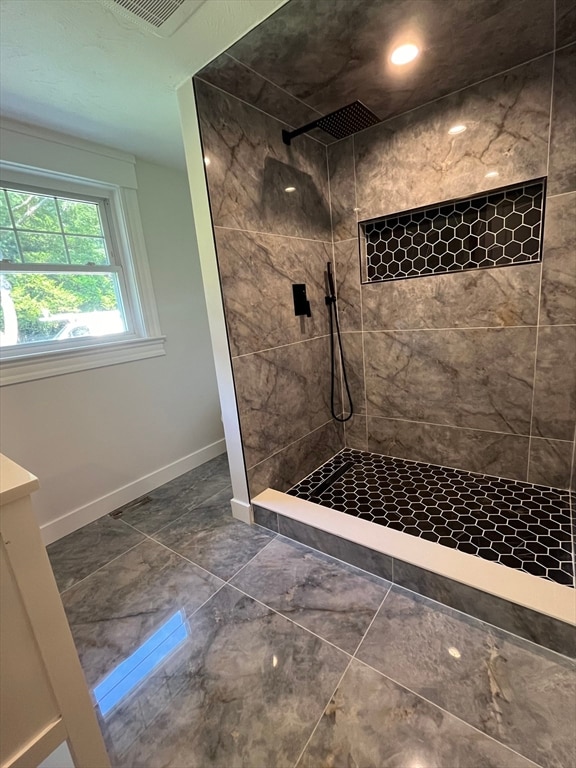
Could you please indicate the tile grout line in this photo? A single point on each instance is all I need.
(280, 346)
(292, 621)
(446, 712)
(369, 627)
(279, 87)
(271, 234)
(105, 564)
(360, 265)
(186, 511)
(274, 537)
(338, 684)
(535, 368)
(289, 445)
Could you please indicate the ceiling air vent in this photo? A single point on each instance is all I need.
(161, 17)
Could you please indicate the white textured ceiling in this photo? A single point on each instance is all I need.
(76, 67)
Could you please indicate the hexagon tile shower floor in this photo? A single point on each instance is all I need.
(519, 525)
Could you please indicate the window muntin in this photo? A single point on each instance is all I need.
(60, 283)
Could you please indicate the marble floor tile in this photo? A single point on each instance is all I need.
(372, 722)
(332, 599)
(167, 503)
(522, 696)
(210, 537)
(243, 690)
(113, 611)
(81, 553)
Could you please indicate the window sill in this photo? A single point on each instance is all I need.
(45, 365)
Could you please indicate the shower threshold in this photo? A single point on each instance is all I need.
(509, 539)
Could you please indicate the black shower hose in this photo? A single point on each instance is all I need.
(333, 315)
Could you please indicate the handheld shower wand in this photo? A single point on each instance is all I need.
(335, 325)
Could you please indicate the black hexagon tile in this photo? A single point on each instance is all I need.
(497, 229)
(519, 525)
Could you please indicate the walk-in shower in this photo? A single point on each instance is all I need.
(444, 458)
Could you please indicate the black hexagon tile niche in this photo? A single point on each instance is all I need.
(497, 229)
(519, 525)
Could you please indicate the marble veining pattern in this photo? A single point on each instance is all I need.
(467, 378)
(492, 681)
(518, 525)
(257, 273)
(250, 169)
(314, 591)
(491, 453)
(562, 168)
(483, 298)
(112, 611)
(371, 721)
(558, 293)
(350, 61)
(281, 470)
(554, 413)
(283, 394)
(246, 686)
(412, 160)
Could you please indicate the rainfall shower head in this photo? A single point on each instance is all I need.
(339, 124)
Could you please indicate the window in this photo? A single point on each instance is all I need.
(68, 280)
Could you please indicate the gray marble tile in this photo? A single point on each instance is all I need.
(244, 689)
(347, 278)
(500, 297)
(490, 453)
(251, 167)
(468, 378)
(283, 394)
(333, 600)
(331, 53)
(165, 504)
(533, 626)
(371, 721)
(354, 554)
(550, 462)
(290, 465)
(487, 678)
(257, 273)
(565, 22)
(562, 165)
(116, 609)
(342, 189)
(412, 160)
(554, 412)
(353, 346)
(356, 432)
(210, 537)
(81, 553)
(558, 293)
(265, 518)
(235, 78)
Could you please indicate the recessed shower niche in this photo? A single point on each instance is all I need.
(496, 229)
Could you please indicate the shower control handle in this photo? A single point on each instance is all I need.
(301, 303)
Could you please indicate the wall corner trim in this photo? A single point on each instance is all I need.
(77, 518)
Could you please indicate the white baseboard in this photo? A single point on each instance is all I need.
(241, 510)
(77, 518)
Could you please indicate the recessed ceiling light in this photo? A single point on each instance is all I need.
(457, 129)
(206, 161)
(290, 189)
(491, 175)
(404, 54)
(454, 652)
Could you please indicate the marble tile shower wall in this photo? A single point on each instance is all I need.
(473, 370)
(266, 240)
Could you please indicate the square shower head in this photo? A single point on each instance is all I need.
(348, 120)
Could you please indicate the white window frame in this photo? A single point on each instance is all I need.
(143, 338)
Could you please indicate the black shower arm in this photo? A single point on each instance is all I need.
(287, 136)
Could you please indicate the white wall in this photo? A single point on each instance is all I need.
(99, 438)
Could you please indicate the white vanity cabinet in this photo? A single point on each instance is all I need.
(44, 700)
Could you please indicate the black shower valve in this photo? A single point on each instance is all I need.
(301, 303)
